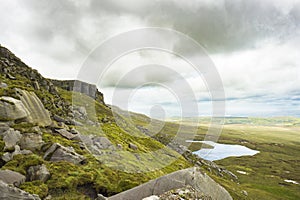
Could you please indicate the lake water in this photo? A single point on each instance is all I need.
(221, 151)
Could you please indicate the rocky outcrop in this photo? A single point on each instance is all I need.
(31, 141)
(11, 177)
(12, 109)
(102, 142)
(9, 192)
(38, 172)
(79, 86)
(7, 156)
(38, 114)
(67, 134)
(11, 138)
(188, 177)
(58, 152)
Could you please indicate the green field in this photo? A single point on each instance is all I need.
(277, 139)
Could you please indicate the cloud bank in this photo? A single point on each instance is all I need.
(254, 45)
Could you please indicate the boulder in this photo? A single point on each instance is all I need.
(132, 146)
(66, 134)
(12, 109)
(3, 85)
(82, 111)
(102, 142)
(59, 119)
(11, 137)
(38, 172)
(9, 192)
(31, 141)
(38, 114)
(192, 177)
(58, 152)
(7, 156)
(3, 128)
(11, 177)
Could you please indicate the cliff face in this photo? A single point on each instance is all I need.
(79, 86)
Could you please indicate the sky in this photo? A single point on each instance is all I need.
(254, 46)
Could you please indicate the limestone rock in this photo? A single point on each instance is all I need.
(132, 146)
(58, 152)
(7, 156)
(38, 114)
(11, 137)
(9, 192)
(3, 85)
(38, 172)
(31, 141)
(12, 109)
(66, 134)
(3, 128)
(102, 142)
(193, 177)
(11, 177)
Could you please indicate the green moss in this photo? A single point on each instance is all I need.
(35, 187)
(21, 163)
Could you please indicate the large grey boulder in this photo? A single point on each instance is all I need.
(7, 156)
(102, 142)
(66, 134)
(11, 138)
(38, 114)
(31, 141)
(58, 152)
(9, 192)
(11, 177)
(38, 172)
(3, 128)
(12, 109)
(188, 177)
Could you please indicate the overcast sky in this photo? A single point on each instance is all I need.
(253, 44)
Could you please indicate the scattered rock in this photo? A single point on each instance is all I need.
(7, 156)
(3, 85)
(3, 128)
(11, 137)
(38, 172)
(119, 146)
(36, 85)
(132, 146)
(74, 131)
(102, 142)
(11, 77)
(244, 192)
(82, 111)
(66, 134)
(12, 109)
(59, 119)
(11, 177)
(58, 152)
(74, 122)
(9, 192)
(31, 141)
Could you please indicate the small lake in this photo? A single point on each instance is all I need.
(221, 151)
